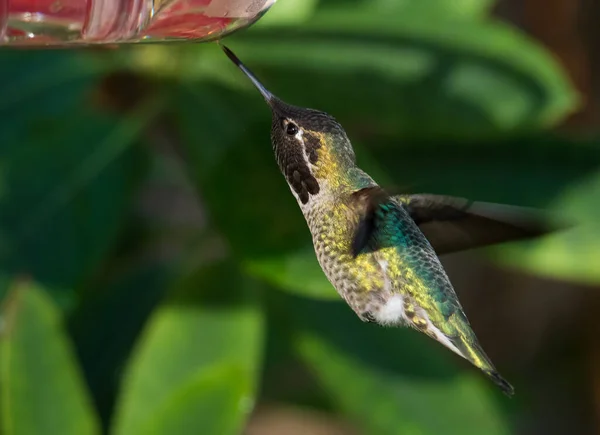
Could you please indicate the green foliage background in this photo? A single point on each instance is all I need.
(126, 313)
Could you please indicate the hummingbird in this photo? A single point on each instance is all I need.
(381, 251)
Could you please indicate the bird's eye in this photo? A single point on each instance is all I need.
(291, 129)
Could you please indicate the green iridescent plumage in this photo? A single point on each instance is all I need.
(379, 251)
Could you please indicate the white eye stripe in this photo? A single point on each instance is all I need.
(300, 139)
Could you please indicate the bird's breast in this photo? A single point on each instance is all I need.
(402, 268)
(361, 281)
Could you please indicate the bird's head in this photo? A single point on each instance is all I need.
(311, 147)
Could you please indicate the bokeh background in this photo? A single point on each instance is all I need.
(157, 276)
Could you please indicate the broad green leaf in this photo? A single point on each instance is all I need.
(298, 272)
(68, 170)
(211, 320)
(42, 390)
(205, 404)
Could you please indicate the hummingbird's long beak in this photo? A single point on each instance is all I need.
(268, 96)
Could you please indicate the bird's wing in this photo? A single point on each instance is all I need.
(456, 224)
(452, 224)
(429, 302)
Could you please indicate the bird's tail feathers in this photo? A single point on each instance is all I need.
(502, 383)
(465, 344)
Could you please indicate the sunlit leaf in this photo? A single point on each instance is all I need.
(211, 320)
(41, 387)
(214, 402)
(572, 254)
(288, 12)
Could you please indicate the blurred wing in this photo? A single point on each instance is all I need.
(457, 224)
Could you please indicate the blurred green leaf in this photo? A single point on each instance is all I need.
(210, 403)
(298, 272)
(522, 170)
(36, 73)
(391, 403)
(390, 380)
(431, 9)
(211, 320)
(416, 78)
(231, 162)
(107, 323)
(408, 74)
(68, 172)
(571, 254)
(41, 386)
(288, 12)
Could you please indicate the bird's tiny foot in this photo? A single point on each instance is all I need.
(368, 317)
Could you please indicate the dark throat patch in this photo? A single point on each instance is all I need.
(292, 161)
